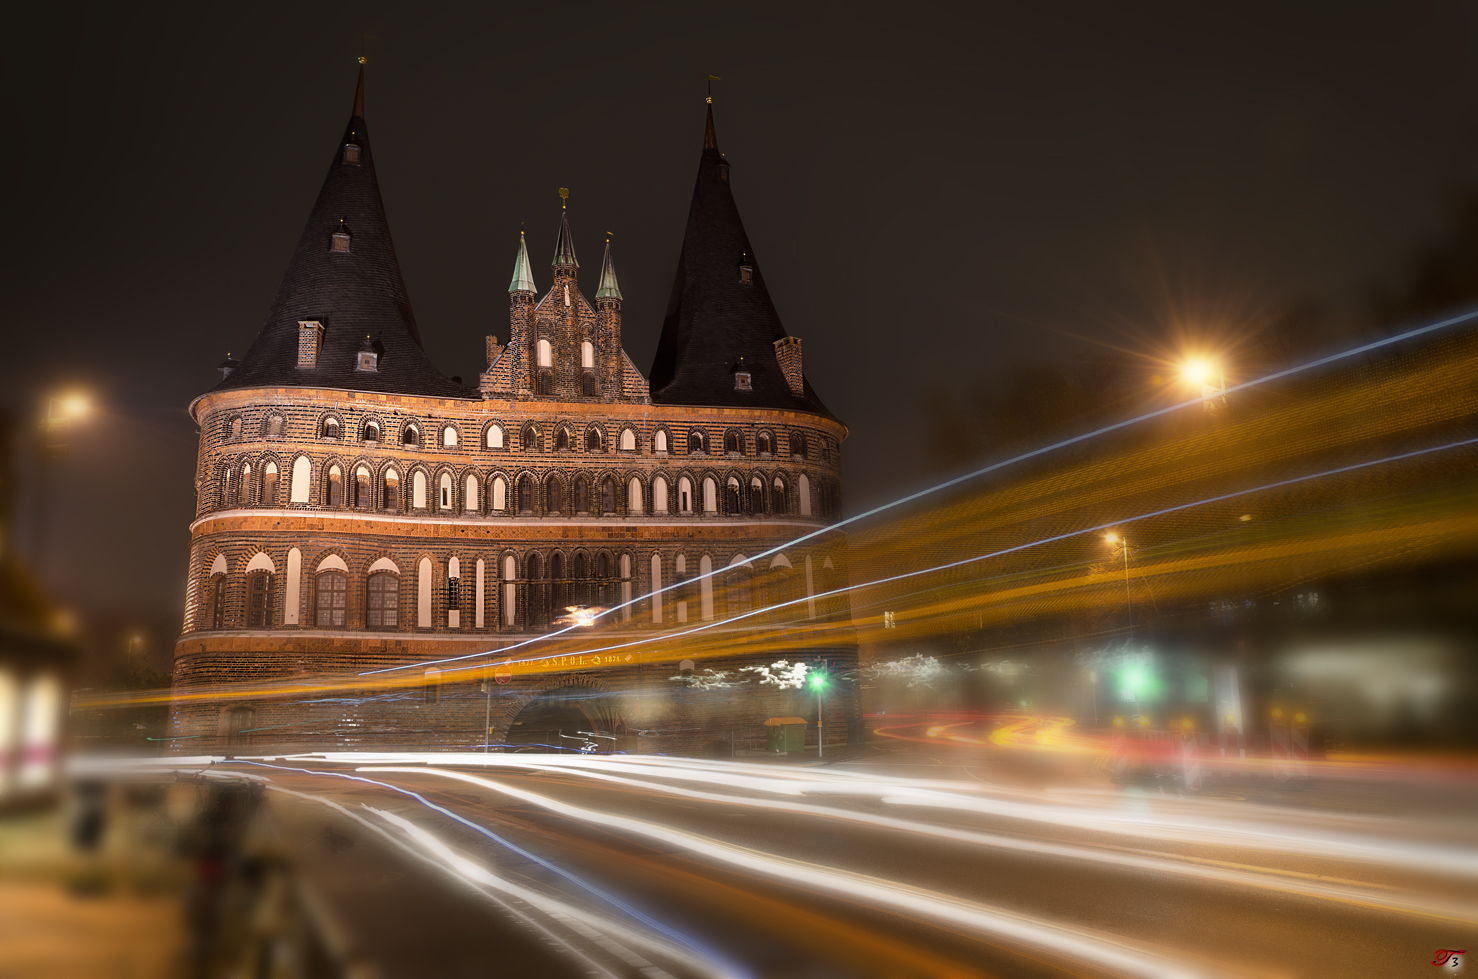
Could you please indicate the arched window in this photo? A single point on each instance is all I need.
(656, 588)
(525, 494)
(582, 495)
(695, 441)
(559, 588)
(538, 592)
(274, 426)
(471, 501)
(332, 599)
(259, 601)
(372, 431)
(589, 386)
(269, 484)
(418, 490)
(756, 495)
(805, 495)
(454, 593)
(603, 579)
(798, 444)
(218, 601)
(495, 436)
(562, 440)
(392, 490)
(587, 355)
(582, 579)
(659, 441)
(529, 439)
(236, 428)
(228, 488)
(628, 440)
(659, 495)
(683, 588)
(626, 587)
(552, 494)
(510, 573)
(764, 443)
(732, 443)
(684, 495)
(335, 487)
(362, 492)
(634, 502)
(710, 496)
(593, 441)
(546, 354)
(449, 437)
(733, 503)
(779, 499)
(545, 383)
(411, 436)
(500, 494)
(243, 485)
(302, 476)
(608, 495)
(331, 428)
(382, 607)
(444, 488)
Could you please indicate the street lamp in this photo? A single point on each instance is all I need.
(61, 411)
(1202, 372)
(1115, 541)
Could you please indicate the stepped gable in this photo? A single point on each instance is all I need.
(718, 324)
(356, 294)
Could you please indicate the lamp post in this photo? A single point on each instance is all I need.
(818, 681)
(1114, 540)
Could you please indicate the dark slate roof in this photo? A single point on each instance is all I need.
(713, 319)
(356, 295)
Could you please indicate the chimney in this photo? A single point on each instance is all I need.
(788, 353)
(310, 341)
(494, 349)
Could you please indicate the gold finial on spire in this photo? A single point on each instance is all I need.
(711, 80)
(564, 197)
(363, 60)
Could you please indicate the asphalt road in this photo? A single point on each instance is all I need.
(930, 861)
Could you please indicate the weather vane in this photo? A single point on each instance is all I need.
(711, 80)
(564, 197)
(363, 60)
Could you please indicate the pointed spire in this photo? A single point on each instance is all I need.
(564, 245)
(359, 92)
(608, 287)
(523, 273)
(710, 138)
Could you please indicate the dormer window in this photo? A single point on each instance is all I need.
(351, 153)
(341, 238)
(746, 273)
(741, 381)
(368, 361)
(723, 171)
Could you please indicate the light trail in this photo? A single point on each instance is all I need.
(1083, 944)
(975, 474)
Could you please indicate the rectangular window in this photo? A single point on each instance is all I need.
(259, 608)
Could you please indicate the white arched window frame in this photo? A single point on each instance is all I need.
(634, 503)
(418, 490)
(659, 441)
(500, 493)
(454, 583)
(269, 484)
(510, 572)
(478, 601)
(495, 436)
(449, 437)
(684, 495)
(423, 593)
(656, 589)
(705, 587)
(625, 587)
(659, 495)
(710, 496)
(293, 596)
(302, 480)
(473, 501)
(628, 440)
(680, 568)
(546, 354)
(587, 355)
(804, 486)
(445, 491)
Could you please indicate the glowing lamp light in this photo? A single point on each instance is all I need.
(818, 680)
(75, 406)
(1301, 717)
(1111, 537)
(1197, 371)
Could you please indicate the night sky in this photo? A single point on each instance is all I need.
(936, 195)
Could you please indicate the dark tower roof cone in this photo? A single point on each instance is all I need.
(564, 245)
(720, 314)
(352, 287)
(609, 289)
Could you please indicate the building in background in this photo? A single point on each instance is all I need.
(357, 510)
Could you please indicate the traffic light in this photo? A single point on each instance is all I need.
(818, 679)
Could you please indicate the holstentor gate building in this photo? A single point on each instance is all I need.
(358, 510)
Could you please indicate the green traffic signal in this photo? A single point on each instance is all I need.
(818, 681)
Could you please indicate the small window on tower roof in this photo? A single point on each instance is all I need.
(741, 381)
(746, 273)
(351, 153)
(368, 358)
(341, 238)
